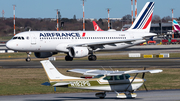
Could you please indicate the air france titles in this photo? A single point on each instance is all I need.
(59, 35)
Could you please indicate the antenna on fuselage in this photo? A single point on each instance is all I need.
(111, 69)
(104, 69)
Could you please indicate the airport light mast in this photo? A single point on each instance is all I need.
(57, 20)
(14, 19)
(132, 10)
(135, 9)
(172, 23)
(108, 19)
(83, 17)
(3, 14)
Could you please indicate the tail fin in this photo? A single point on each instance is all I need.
(96, 27)
(176, 25)
(52, 73)
(143, 21)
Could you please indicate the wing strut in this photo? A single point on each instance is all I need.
(131, 81)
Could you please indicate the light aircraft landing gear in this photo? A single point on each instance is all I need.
(28, 59)
(101, 95)
(68, 58)
(92, 57)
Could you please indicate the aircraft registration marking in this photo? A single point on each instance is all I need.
(80, 84)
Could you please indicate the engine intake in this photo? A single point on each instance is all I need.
(78, 52)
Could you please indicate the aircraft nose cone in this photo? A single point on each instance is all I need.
(9, 45)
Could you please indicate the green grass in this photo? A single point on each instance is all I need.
(21, 81)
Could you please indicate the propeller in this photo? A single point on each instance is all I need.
(143, 78)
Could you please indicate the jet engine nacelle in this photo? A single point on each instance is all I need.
(44, 54)
(78, 52)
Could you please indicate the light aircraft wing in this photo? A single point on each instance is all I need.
(105, 42)
(109, 73)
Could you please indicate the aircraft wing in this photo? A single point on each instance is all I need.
(104, 42)
(111, 73)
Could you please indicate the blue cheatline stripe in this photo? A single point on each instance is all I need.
(146, 17)
(142, 16)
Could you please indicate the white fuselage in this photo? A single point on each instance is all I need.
(58, 41)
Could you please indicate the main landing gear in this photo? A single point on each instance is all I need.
(68, 58)
(101, 95)
(28, 59)
(92, 57)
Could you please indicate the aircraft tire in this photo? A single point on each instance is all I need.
(28, 59)
(68, 58)
(92, 58)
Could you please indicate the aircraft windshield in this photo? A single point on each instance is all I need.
(98, 76)
(18, 38)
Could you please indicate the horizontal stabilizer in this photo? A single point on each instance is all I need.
(46, 84)
(60, 84)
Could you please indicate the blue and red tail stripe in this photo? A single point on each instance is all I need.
(146, 17)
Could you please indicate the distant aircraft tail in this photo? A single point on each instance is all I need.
(52, 73)
(176, 25)
(96, 27)
(143, 21)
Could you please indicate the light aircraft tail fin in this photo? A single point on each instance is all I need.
(176, 25)
(96, 27)
(52, 73)
(143, 21)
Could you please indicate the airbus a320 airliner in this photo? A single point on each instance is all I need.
(77, 44)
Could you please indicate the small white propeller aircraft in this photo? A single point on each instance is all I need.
(106, 81)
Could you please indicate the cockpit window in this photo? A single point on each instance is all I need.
(119, 77)
(127, 76)
(98, 76)
(18, 38)
(108, 78)
(14, 37)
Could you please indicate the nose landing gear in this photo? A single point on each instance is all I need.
(28, 59)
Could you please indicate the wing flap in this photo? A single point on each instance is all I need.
(104, 42)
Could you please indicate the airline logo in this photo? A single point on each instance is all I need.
(176, 25)
(59, 35)
(96, 27)
(146, 17)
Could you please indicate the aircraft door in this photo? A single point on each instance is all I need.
(33, 39)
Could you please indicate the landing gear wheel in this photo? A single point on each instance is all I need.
(28, 59)
(101, 95)
(92, 58)
(68, 58)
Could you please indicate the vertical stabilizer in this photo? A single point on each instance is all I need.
(143, 21)
(96, 27)
(176, 25)
(52, 73)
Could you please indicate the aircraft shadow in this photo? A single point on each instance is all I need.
(82, 98)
